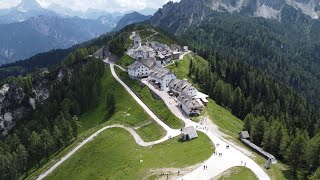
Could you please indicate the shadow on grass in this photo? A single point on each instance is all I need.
(289, 174)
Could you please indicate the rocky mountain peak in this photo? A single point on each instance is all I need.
(28, 5)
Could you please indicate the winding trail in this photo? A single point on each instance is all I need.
(136, 137)
(216, 164)
(170, 132)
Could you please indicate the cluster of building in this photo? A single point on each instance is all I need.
(150, 61)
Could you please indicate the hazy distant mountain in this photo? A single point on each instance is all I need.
(23, 11)
(40, 34)
(131, 18)
(148, 11)
(89, 14)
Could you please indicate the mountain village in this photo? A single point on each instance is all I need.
(150, 62)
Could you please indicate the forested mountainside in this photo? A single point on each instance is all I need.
(50, 101)
(286, 49)
(265, 70)
(39, 112)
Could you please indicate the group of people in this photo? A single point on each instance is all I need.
(205, 167)
(244, 163)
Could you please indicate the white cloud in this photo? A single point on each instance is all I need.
(4, 4)
(83, 5)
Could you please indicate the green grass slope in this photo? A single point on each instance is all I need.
(156, 105)
(128, 113)
(238, 173)
(115, 155)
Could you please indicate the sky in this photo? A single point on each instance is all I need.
(83, 5)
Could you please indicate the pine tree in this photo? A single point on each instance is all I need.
(22, 158)
(47, 142)
(110, 104)
(248, 121)
(35, 147)
(295, 152)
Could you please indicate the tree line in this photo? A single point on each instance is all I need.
(286, 50)
(54, 124)
(275, 116)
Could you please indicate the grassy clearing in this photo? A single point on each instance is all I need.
(156, 105)
(115, 155)
(128, 112)
(227, 123)
(125, 61)
(144, 34)
(148, 132)
(238, 173)
(223, 118)
(162, 39)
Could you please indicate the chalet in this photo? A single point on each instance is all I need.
(140, 69)
(175, 55)
(190, 105)
(188, 133)
(161, 76)
(178, 86)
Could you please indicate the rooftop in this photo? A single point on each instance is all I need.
(190, 131)
(144, 48)
(188, 101)
(150, 63)
(159, 73)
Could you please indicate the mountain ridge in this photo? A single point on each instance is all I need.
(44, 33)
(181, 15)
(131, 18)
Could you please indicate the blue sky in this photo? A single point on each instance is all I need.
(83, 5)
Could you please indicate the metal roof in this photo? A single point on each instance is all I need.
(190, 131)
(189, 101)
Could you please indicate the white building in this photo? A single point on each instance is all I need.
(140, 69)
(162, 77)
(190, 105)
(183, 86)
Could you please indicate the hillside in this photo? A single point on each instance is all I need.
(278, 118)
(285, 49)
(67, 115)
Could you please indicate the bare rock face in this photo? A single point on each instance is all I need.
(178, 17)
(16, 103)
